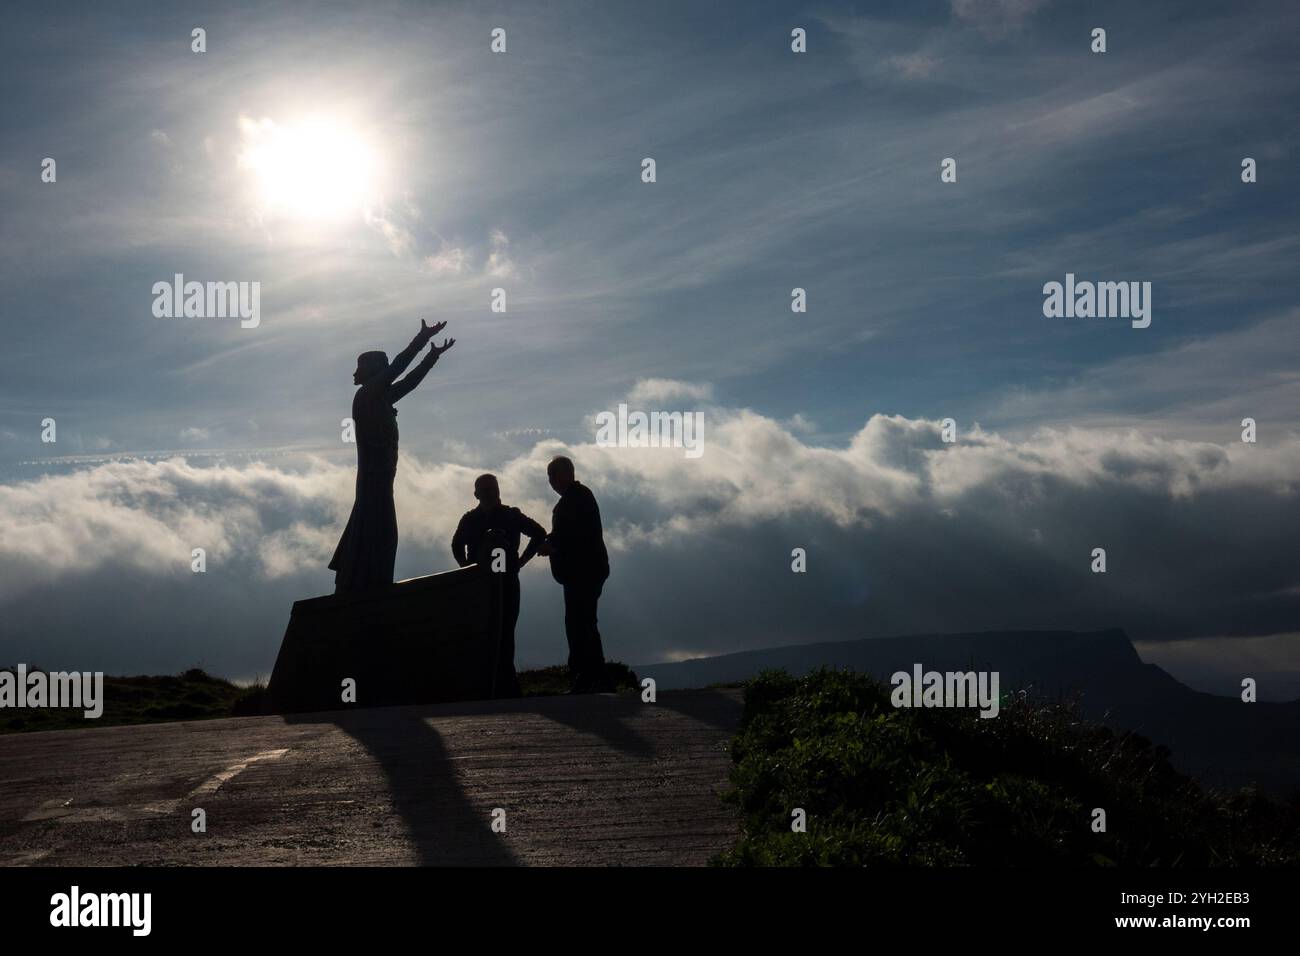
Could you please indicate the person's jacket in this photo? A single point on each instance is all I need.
(508, 523)
(577, 542)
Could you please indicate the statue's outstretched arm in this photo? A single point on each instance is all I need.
(403, 358)
(398, 390)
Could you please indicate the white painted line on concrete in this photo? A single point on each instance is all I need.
(213, 784)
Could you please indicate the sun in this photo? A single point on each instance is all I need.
(316, 168)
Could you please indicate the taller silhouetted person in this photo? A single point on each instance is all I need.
(579, 562)
(366, 552)
(482, 531)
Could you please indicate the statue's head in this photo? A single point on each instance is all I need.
(369, 364)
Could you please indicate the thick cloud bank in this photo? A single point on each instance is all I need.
(902, 533)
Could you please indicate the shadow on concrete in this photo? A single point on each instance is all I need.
(604, 715)
(715, 707)
(445, 829)
(608, 715)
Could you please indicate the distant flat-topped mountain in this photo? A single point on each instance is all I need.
(1220, 740)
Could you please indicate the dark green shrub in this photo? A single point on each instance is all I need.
(943, 786)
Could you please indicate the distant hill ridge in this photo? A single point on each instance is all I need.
(1220, 740)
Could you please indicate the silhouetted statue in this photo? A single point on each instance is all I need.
(366, 552)
(579, 562)
(481, 531)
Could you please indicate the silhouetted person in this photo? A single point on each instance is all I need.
(366, 552)
(579, 562)
(489, 526)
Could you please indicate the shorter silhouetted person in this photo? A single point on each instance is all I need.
(580, 563)
(481, 531)
(367, 551)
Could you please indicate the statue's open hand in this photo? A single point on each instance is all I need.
(437, 349)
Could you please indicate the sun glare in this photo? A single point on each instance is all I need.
(316, 168)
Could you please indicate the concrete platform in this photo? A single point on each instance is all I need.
(584, 780)
(420, 641)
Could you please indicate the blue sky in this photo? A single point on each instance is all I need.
(775, 170)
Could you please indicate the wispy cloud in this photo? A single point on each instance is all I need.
(996, 16)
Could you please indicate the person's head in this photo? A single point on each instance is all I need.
(486, 491)
(560, 473)
(369, 364)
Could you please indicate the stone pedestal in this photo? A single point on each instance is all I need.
(422, 640)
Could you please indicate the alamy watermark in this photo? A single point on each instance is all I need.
(1101, 300)
(75, 909)
(83, 691)
(209, 300)
(626, 429)
(947, 689)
